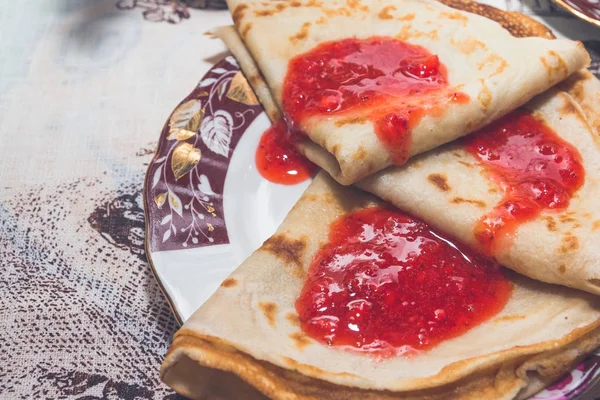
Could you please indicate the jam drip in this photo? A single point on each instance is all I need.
(277, 159)
(536, 169)
(392, 83)
(386, 283)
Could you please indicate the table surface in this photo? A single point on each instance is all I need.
(85, 87)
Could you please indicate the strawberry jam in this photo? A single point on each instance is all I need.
(388, 284)
(278, 160)
(532, 165)
(387, 81)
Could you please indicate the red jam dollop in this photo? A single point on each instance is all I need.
(278, 160)
(536, 169)
(385, 80)
(388, 284)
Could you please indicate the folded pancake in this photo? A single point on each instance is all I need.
(373, 82)
(453, 190)
(254, 327)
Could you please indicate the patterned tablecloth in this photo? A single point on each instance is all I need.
(85, 87)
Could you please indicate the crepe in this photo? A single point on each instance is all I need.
(451, 191)
(483, 61)
(250, 327)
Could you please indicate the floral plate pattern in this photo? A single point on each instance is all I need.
(207, 208)
(588, 10)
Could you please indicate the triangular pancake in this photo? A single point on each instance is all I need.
(483, 62)
(250, 327)
(449, 189)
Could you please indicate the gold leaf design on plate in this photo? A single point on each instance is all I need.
(240, 90)
(184, 159)
(203, 94)
(160, 199)
(210, 227)
(210, 209)
(186, 120)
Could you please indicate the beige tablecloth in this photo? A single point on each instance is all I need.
(85, 87)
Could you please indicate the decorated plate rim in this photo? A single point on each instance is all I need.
(569, 7)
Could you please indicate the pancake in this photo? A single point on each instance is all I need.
(452, 191)
(352, 141)
(250, 327)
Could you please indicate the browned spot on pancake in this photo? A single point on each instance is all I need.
(287, 250)
(567, 217)
(357, 5)
(238, 13)
(302, 34)
(293, 319)
(328, 198)
(466, 164)
(550, 223)
(467, 46)
(229, 282)
(360, 154)
(454, 15)
(492, 190)
(416, 164)
(321, 21)
(300, 340)
(351, 120)
(335, 149)
(269, 309)
(457, 154)
(568, 108)
(509, 318)
(562, 268)
(280, 6)
(255, 80)
(575, 85)
(310, 197)
(385, 12)
(440, 181)
(407, 17)
(312, 370)
(587, 215)
(246, 28)
(569, 243)
(460, 200)
(407, 33)
(342, 11)
(493, 59)
(484, 97)
(264, 13)
(596, 226)
(556, 69)
(404, 33)
(296, 4)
